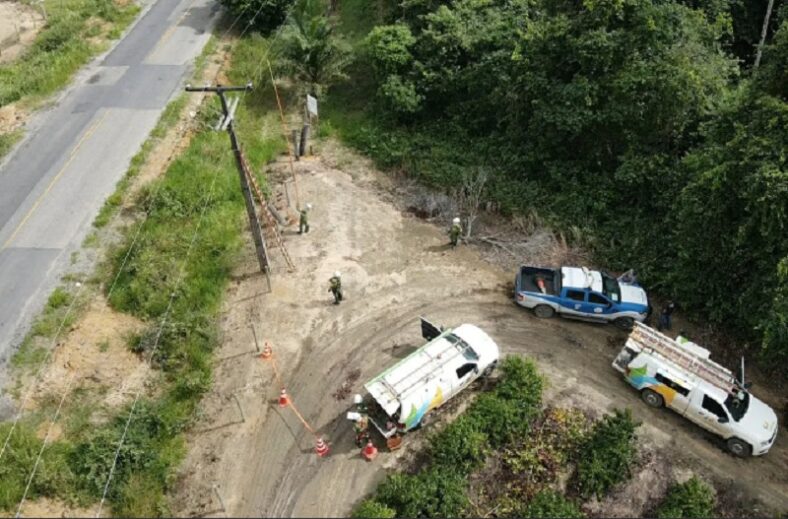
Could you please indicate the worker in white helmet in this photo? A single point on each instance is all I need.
(455, 231)
(303, 222)
(336, 287)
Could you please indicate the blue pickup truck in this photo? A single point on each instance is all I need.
(580, 293)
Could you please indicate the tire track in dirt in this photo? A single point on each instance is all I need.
(395, 268)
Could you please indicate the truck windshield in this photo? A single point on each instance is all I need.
(610, 288)
(462, 346)
(737, 404)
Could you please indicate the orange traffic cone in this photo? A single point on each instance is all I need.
(283, 398)
(267, 352)
(370, 451)
(321, 448)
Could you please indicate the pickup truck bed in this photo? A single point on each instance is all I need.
(551, 277)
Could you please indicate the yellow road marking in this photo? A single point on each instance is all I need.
(52, 182)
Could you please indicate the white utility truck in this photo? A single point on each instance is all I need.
(405, 393)
(680, 375)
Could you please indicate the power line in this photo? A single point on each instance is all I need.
(70, 307)
(169, 307)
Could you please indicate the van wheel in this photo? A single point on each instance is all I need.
(624, 323)
(489, 369)
(652, 398)
(739, 448)
(544, 311)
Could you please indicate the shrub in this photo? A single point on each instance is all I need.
(460, 446)
(548, 503)
(435, 492)
(53, 476)
(371, 509)
(607, 454)
(59, 297)
(693, 498)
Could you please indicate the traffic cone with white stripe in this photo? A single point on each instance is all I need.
(284, 400)
(321, 448)
(369, 451)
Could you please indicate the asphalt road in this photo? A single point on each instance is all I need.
(55, 181)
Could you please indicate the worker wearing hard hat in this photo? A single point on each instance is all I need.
(455, 231)
(303, 222)
(336, 287)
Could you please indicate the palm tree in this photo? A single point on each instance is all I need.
(309, 51)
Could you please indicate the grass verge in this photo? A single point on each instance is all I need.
(186, 250)
(7, 141)
(76, 30)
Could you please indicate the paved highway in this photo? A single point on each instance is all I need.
(55, 181)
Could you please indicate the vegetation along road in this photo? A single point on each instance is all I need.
(53, 184)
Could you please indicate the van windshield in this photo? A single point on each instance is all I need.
(738, 404)
(462, 346)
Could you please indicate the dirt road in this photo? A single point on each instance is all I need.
(394, 268)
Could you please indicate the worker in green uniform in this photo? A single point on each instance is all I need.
(336, 287)
(303, 222)
(455, 231)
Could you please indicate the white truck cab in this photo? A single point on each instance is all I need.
(424, 380)
(680, 375)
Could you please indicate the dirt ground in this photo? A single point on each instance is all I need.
(19, 24)
(256, 459)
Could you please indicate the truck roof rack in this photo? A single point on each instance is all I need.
(715, 374)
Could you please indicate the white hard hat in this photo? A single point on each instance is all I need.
(357, 399)
(337, 274)
(456, 220)
(309, 206)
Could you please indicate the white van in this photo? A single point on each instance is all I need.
(424, 380)
(680, 375)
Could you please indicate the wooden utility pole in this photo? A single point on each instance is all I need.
(227, 123)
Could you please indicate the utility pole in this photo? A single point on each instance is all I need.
(227, 123)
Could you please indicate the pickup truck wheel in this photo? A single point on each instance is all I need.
(624, 323)
(739, 448)
(544, 311)
(652, 398)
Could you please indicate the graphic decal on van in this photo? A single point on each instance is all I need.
(416, 415)
(640, 378)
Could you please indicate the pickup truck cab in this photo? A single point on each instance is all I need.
(580, 293)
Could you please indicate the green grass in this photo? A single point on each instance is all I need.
(57, 313)
(62, 47)
(168, 119)
(7, 141)
(200, 185)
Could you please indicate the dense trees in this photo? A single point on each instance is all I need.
(632, 120)
(263, 15)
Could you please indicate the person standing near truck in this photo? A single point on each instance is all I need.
(336, 287)
(455, 231)
(665, 321)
